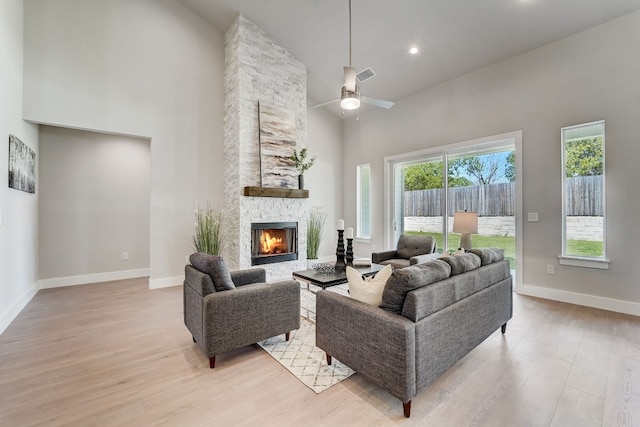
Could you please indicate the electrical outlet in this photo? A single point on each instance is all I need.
(532, 216)
(551, 269)
(125, 256)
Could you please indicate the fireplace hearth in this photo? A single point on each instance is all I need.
(273, 242)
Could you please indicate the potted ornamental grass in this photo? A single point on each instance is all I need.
(208, 236)
(315, 228)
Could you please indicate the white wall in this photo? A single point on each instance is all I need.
(94, 205)
(589, 76)
(324, 180)
(149, 68)
(18, 210)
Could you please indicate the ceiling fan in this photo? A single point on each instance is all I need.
(350, 93)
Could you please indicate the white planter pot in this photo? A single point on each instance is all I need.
(310, 263)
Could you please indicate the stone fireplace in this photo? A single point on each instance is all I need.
(258, 70)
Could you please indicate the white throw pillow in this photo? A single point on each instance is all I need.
(368, 290)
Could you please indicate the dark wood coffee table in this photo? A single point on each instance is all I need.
(325, 280)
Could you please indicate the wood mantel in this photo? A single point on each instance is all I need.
(285, 193)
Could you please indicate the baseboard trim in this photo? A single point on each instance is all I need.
(59, 282)
(593, 301)
(13, 311)
(166, 282)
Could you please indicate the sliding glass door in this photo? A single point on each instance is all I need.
(429, 189)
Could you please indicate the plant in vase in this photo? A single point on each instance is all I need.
(208, 237)
(315, 228)
(301, 163)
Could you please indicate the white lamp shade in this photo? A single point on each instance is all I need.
(465, 222)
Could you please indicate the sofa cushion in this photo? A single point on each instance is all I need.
(215, 267)
(488, 255)
(462, 263)
(427, 300)
(368, 290)
(409, 246)
(407, 279)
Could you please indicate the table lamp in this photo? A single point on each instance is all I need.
(465, 223)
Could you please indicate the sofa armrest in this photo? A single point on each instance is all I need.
(378, 257)
(249, 314)
(378, 344)
(251, 275)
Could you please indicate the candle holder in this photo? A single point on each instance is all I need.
(340, 265)
(349, 256)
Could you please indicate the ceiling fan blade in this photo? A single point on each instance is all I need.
(322, 104)
(377, 102)
(350, 78)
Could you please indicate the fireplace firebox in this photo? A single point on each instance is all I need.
(273, 242)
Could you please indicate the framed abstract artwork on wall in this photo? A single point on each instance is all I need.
(22, 166)
(277, 141)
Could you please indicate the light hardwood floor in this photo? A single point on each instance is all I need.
(118, 354)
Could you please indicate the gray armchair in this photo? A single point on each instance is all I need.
(411, 250)
(226, 310)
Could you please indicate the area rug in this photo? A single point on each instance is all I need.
(303, 359)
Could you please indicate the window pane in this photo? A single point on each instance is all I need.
(422, 185)
(364, 202)
(484, 182)
(583, 188)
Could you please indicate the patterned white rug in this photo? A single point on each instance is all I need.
(303, 359)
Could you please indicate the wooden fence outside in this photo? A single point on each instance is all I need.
(584, 198)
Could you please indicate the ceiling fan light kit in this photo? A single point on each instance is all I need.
(350, 100)
(350, 93)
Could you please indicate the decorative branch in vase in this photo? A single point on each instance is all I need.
(301, 163)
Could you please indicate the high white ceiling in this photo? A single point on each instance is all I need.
(454, 36)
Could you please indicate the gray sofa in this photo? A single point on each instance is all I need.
(409, 251)
(227, 310)
(431, 316)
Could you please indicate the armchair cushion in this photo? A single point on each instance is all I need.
(396, 262)
(248, 276)
(215, 267)
(410, 246)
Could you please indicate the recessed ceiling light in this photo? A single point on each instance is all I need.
(413, 50)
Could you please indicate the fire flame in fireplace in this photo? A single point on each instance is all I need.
(269, 244)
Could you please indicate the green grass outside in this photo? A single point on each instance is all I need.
(584, 248)
(508, 244)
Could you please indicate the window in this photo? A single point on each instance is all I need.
(583, 201)
(363, 230)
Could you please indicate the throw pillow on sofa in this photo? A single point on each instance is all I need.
(368, 290)
(215, 267)
(404, 280)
